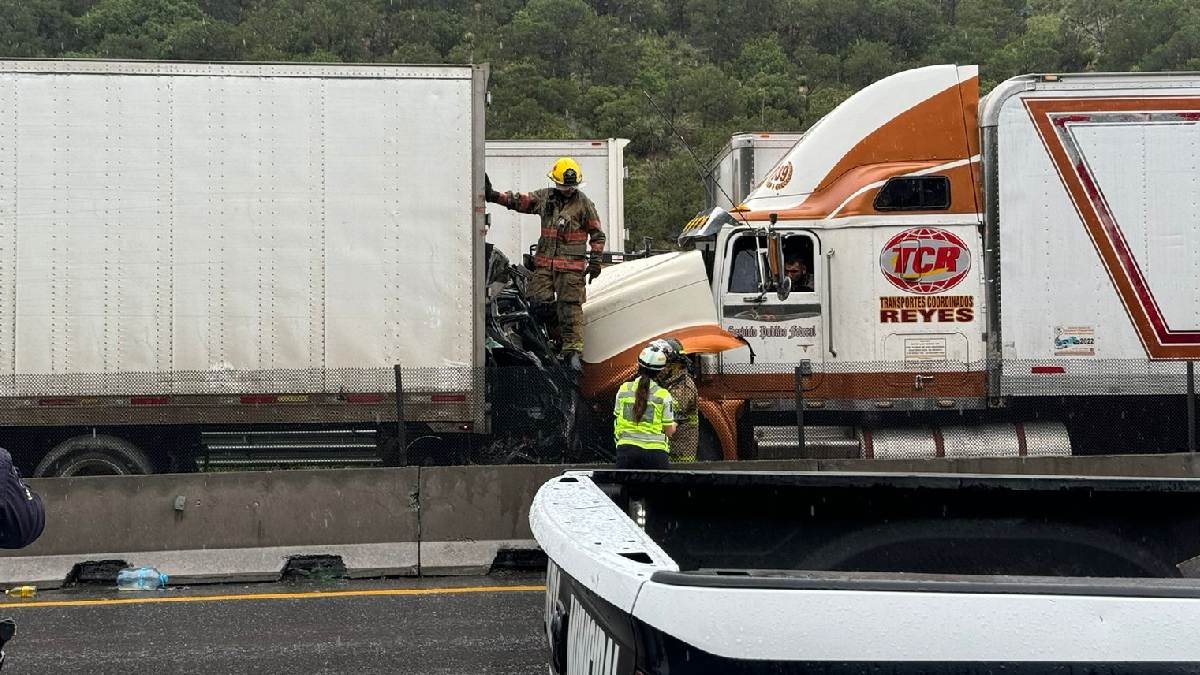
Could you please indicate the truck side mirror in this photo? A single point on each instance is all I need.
(783, 287)
(783, 283)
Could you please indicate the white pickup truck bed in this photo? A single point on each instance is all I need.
(695, 588)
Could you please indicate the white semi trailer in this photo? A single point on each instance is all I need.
(743, 164)
(523, 165)
(195, 254)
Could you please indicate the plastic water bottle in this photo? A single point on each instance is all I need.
(140, 579)
(22, 591)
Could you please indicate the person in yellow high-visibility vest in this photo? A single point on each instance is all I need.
(644, 415)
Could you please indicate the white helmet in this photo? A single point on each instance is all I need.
(654, 356)
(663, 345)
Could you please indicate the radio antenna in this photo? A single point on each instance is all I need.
(704, 174)
(700, 170)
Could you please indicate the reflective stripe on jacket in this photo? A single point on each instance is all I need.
(646, 433)
(570, 226)
(683, 390)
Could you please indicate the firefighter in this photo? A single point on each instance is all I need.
(676, 378)
(643, 413)
(568, 250)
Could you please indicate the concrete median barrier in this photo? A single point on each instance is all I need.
(470, 513)
(225, 525)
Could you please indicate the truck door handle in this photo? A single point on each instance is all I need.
(829, 290)
(920, 380)
(756, 299)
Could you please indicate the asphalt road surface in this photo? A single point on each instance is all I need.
(460, 626)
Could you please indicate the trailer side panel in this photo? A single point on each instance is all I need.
(186, 229)
(1095, 190)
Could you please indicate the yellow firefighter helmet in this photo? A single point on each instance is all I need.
(566, 172)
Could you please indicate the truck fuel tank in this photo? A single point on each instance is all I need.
(1019, 439)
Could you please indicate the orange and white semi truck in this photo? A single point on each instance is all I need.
(1013, 275)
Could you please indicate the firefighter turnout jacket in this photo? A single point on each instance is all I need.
(568, 223)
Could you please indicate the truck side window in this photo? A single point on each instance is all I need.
(798, 263)
(914, 193)
(744, 276)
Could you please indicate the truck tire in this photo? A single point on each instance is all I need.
(94, 456)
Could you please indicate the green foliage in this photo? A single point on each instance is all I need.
(639, 69)
(145, 29)
(31, 28)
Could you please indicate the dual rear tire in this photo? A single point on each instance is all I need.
(97, 455)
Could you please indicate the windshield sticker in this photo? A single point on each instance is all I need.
(1074, 341)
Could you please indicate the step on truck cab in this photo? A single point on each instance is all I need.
(969, 277)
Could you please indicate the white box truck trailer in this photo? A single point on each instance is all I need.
(523, 164)
(195, 249)
(1011, 276)
(743, 164)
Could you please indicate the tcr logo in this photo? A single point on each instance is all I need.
(925, 260)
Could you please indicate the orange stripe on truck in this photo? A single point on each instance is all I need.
(902, 146)
(600, 380)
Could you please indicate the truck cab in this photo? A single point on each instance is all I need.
(893, 325)
(927, 275)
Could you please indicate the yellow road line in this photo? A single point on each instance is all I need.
(309, 595)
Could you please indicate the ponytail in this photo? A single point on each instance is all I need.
(642, 398)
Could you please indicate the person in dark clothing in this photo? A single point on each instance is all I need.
(22, 515)
(676, 378)
(22, 519)
(7, 628)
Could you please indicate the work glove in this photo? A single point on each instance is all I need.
(593, 270)
(488, 193)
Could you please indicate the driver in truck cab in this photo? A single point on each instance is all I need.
(797, 271)
(568, 250)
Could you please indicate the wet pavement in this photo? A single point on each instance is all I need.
(456, 625)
